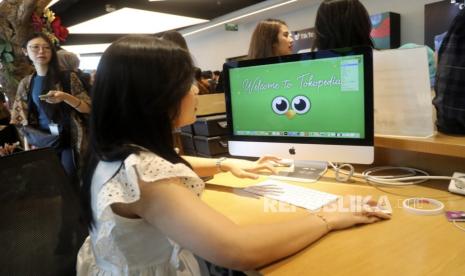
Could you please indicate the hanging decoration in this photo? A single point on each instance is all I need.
(50, 24)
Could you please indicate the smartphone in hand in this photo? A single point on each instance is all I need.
(44, 97)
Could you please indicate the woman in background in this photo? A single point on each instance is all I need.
(142, 199)
(42, 104)
(342, 23)
(177, 38)
(69, 61)
(270, 38)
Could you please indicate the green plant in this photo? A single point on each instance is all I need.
(6, 52)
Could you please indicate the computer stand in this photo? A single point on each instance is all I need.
(302, 171)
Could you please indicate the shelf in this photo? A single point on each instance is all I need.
(440, 144)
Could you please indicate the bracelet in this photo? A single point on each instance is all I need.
(75, 107)
(218, 164)
(324, 220)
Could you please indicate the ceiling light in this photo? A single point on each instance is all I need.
(86, 48)
(51, 3)
(133, 21)
(239, 17)
(110, 8)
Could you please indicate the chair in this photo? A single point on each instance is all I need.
(8, 134)
(41, 228)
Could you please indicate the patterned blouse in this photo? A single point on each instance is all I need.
(19, 113)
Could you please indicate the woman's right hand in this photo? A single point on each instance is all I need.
(345, 213)
(7, 149)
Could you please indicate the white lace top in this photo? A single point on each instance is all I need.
(122, 246)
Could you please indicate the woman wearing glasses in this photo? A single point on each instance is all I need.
(49, 104)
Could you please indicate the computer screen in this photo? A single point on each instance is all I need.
(310, 106)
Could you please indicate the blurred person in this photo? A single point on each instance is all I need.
(69, 61)
(201, 85)
(342, 23)
(449, 100)
(207, 80)
(177, 38)
(270, 38)
(215, 80)
(4, 112)
(216, 75)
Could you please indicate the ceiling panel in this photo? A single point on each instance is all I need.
(73, 12)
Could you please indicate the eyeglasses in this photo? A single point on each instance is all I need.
(36, 48)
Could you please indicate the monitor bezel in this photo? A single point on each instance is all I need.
(367, 53)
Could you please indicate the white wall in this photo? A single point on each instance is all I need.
(211, 47)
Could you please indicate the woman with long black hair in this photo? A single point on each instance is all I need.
(142, 199)
(342, 23)
(49, 103)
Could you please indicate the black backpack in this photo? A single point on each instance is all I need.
(450, 79)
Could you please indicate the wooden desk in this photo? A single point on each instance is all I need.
(439, 155)
(405, 245)
(440, 144)
(211, 104)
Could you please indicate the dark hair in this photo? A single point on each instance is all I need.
(140, 83)
(53, 72)
(342, 23)
(2, 96)
(177, 38)
(264, 37)
(207, 74)
(197, 73)
(216, 73)
(56, 112)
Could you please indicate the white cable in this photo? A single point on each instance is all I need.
(458, 226)
(409, 178)
(349, 175)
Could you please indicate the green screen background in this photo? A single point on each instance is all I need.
(332, 110)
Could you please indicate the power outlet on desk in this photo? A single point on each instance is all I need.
(454, 188)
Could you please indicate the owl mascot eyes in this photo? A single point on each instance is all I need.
(299, 105)
(280, 105)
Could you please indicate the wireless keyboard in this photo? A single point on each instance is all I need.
(299, 196)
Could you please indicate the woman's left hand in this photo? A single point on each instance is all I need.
(249, 169)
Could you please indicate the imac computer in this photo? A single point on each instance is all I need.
(311, 107)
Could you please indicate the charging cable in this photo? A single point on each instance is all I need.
(458, 226)
(411, 176)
